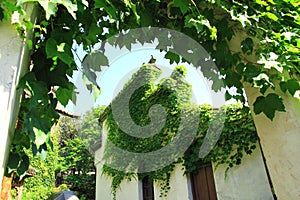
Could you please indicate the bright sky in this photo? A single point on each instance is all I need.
(123, 64)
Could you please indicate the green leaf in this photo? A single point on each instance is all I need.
(195, 21)
(272, 16)
(132, 6)
(268, 105)
(183, 5)
(21, 139)
(51, 48)
(89, 76)
(28, 77)
(95, 60)
(108, 7)
(34, 149)
(66, 58)
(146, 18)
(250, 72)
(97, 92)
(173, 57)
(291, 85)
(13, 162)
(39, 92)
(40, 137)
(93, 31)
(29, 43)
(43, 155)
(247, 45)
(65, 94)
(240, 68)
(1, 14)
(22, 169)
(261, 2)
(72, 8)
(217, 85)
(233, 79)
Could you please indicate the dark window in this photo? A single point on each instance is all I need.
(148, 191)
(203, 184)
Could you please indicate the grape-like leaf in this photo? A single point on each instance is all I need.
(40, 137)
(65, 94)
(60, 51)
(172, 57)
(268, 105)
(94, 61)
(247, 45)
(13, 162)
(183, 5)
(291, 85)
(51, 48)
(108, 7)
(272, 16)
(22, 169)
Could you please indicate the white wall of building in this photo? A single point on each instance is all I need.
(279, 138)
(127, 190)
(247, 181)
(280, 142)
(14, 60)
(179, 186)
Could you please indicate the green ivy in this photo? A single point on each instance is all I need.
(174, 93)
(237, 138)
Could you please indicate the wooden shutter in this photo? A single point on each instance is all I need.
(203, 184)
(148, 191)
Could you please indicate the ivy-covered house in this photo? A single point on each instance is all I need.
(157, 144)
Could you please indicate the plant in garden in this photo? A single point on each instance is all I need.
(77, 159)
(41, 186)
(75, 138)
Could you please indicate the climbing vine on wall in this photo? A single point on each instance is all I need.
(238, 135)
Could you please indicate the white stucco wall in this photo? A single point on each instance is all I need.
(280, 138)
(132, 190)
(14, 59)
(247, 181)
(179, 186)
(280, 141)
(128, 190)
